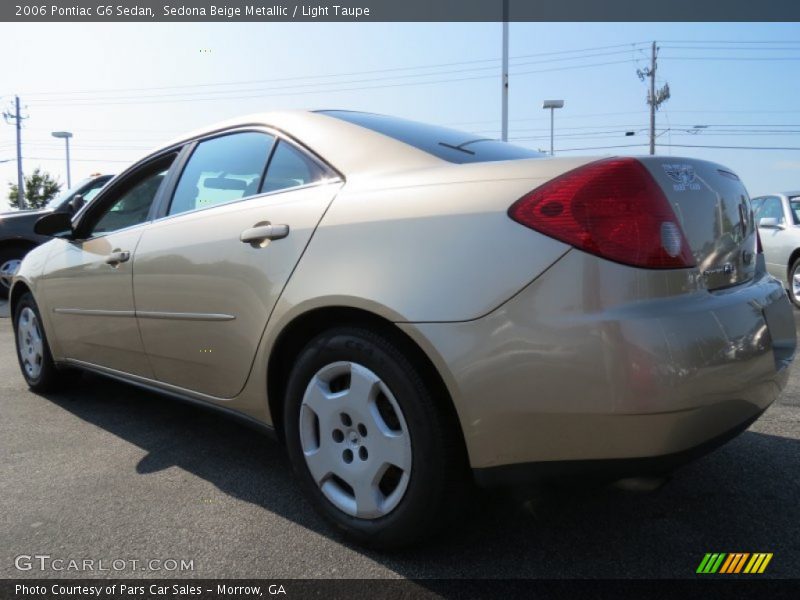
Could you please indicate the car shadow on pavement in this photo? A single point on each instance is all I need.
(741, 498)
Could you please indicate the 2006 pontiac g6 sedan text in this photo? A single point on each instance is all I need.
(411, 308)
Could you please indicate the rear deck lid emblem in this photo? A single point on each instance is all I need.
(683, 176)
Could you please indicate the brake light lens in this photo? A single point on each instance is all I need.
(612, 208)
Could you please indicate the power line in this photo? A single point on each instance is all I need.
(733, 58)
(79, 159)
(737, 111)
(315, 84)
(94, 102)
(579, 116)
(603, 147)
(730, 42)
(111, 130)
(746, 48)
(631, 45)
(188, 96)
(734, 147)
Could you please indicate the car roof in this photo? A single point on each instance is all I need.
(349, 148)
(787, 194)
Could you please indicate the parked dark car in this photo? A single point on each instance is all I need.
(17, 237)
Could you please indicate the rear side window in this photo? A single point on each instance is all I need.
(794, 204)
(448, 144)
(289, 167)
(222, 170)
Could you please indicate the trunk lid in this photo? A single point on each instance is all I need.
(713, 208)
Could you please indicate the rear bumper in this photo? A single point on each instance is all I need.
(596, 363)
(607, 469)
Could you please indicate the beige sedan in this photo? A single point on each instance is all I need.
(411, 308)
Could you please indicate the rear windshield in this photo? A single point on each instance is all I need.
(448, 144)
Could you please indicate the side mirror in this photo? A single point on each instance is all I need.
(76, 203)
(769, 223)
(57, 224)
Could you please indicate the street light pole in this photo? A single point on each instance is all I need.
(504, 77)
(552, 105)
(66, 135)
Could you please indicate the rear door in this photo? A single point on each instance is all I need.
(208, 273)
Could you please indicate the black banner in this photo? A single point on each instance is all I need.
(400, 10)
(334, 589)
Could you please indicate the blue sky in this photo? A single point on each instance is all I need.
(132, 69)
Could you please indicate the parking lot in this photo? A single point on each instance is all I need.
(106, 471)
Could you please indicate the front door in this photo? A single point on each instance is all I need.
(88, 282)
(775, 238)
(207, 275)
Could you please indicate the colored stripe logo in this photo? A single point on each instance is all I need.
(735, 562)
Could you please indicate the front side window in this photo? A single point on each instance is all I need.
(132, 207)
(86, 190)
(771, 209)
(221, 170)
(289, 167)
(94, 189)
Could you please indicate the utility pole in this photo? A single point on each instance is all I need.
(650, 98)
(504, 78)
(17, 117)
(655, 98)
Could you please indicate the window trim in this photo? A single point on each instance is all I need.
(162, 210)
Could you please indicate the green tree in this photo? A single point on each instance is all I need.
(40, 188)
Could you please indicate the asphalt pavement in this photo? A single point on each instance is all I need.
(107, 472)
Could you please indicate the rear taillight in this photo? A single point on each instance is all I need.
(612, 208)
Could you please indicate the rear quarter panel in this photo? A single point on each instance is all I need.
(435, 245)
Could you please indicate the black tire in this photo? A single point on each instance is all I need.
(438, 474)
(792, 270)
(7, 255)
(48, 378)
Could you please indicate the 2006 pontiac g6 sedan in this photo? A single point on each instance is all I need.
(411, 308)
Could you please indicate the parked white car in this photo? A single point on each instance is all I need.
(778, 217)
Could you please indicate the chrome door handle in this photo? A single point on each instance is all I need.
(261, 233)
(117, 257)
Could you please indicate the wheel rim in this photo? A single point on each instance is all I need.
(7, 271)
(796, 283)
(355, 440)
(31, 344)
